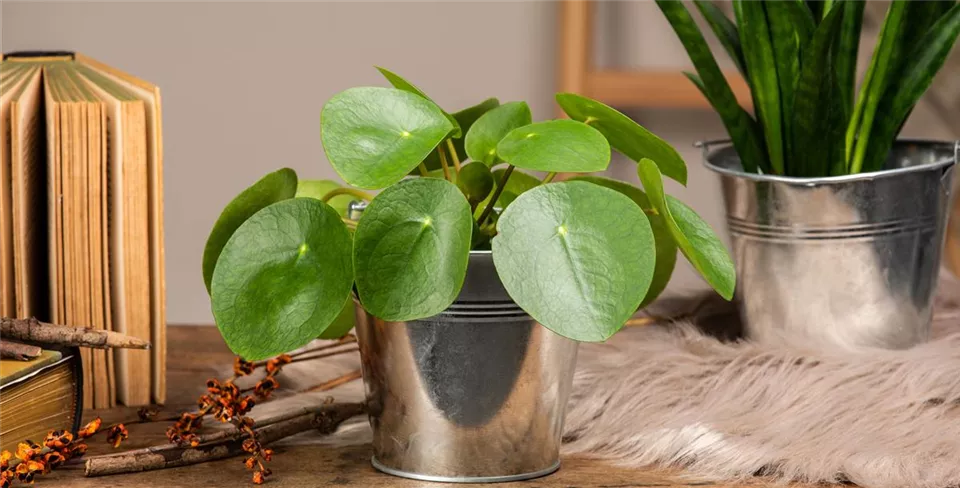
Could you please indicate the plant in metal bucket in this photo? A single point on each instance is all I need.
(800, 59)
(580, 256)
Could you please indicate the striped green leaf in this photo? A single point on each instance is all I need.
(726, 32)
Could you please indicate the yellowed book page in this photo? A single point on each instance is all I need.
(29, 173)
(126, 140)
(54, 197)
(150, 95)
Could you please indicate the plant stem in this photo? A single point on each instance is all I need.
(443, 162)
(346, 191)
(496, 195)
(453, 155)
(423, 170)
(550, 176)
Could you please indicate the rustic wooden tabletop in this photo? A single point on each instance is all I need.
(197, 352)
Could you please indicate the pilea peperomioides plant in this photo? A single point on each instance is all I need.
(580, 256)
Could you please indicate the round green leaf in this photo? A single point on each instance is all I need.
(374, 136)
(411, 249)
(400, 83)
(665, 245)
(483, 137)
(272, 188)
(556, 145)
(576, 256)
(695, 238)
(625, 135)
(343, 323)
(476, 182)
(282, 278)
(465, 118)
(319, 188)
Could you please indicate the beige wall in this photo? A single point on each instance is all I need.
(243, 84)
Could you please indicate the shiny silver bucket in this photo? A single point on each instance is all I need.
(847, 261)
(475, 394)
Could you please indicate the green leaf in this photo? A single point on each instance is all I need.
(466, 118)
(556, 145)
(847, 51)
(874, 85)
(272, 188)
(475, 182)
(921, 66)
(819, 119)
(786, 39)
(518, 183)
(319, 188)
(762, 66)
(400, 83)
(343, 323)
(742, 128)
(576, 256)
(283, 278)
(693, 236)
(374, 136)
(411, 249)
(624, 134)
(666, 247)
(726, 32)
(483, 137)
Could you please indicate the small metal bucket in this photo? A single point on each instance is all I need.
(475, 394)
(847, 261)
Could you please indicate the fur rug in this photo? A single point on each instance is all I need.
(690, 395)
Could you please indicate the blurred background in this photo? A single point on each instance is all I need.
(243, 84)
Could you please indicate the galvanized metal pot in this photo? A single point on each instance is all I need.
(475, 394)
(848, 261)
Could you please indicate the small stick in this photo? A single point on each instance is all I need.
(20, 352)
(32, 330)
(325, 419)
(340, 380)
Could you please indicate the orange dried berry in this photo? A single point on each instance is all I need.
(5, 458)
(6, 478)
(58, 439)
(76, 450)
(267, 454)
(242, 367)
(250, 445)
(53, 459)
(265, 387)
(250, 462)
(27, 450)
(213, 386)
(117, 434)
(274, 365)
(90, 429)
(259, 478)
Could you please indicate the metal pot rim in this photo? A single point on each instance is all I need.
(826, 180)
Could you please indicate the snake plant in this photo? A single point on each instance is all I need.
(799, 59)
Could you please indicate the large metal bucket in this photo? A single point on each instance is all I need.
(847, 261)
(475, 394)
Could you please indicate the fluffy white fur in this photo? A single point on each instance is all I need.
(675, 395)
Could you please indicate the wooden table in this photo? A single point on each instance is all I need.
(197, 353)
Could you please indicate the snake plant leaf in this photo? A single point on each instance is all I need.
(466, 118)
(726, 31)
(788, 41)
(696, 240)
(875, 83)
(282, 278)
(400, 83)
(556, 145)
(847, 51)
(576, 256)
(476, 182)
(272, 188)
(666, 247)
(922, 65)
(411, 249)
(319, 188)
(374, 136)
(346, 320)
(819, 128)
(625, 135)
(741, 127)
(483, 137)
(758, 51)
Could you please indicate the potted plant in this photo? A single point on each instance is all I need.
(836, 226)
(473, 281)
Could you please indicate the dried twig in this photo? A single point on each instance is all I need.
(32, 330)
(20, 352)
(340, 380)
(326, 419)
